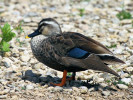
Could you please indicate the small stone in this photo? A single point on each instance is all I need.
(97, 79)
(7, 62)
(122, 86)
(30, 87)
(33, 61)
(3, 96)
(9, 75)
(126, 80)
(31, 14)
(103, 84)
(132, 77)
(78, 98)
(91, 89)
(105, 93)
(2, 10)
(68, 90)
(51, 72)
(50, 88)
(129, 69)
(83, 89)
(118, 51)
(75, 89)
(111, 30)
(58, 89)
(45, 86)
(27, 20)
(39, 66)
(4, 92)
(25, 58)
(7, 54)
(124, 75)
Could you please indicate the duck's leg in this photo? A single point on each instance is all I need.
(72, 77)
(63, 79)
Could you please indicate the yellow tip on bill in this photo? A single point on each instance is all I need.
(27, 37)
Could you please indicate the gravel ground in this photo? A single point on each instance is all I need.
(22, 77)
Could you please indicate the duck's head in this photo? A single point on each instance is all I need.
(46, 27)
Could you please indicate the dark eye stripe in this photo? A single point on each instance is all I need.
(40, 26)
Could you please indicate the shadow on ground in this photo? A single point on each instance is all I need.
(37, 78)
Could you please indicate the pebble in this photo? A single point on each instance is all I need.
(4, 92)
(132, 77)
(31, 14)
(25, 58)
(78, 98)
(50, 88)
(75, 89)
(126, 80)
(7, 62)
(30, 87)
(91, 89)
(129, 69)
(122, 86)
(83, 89)
(39, 66)
(58, 89)
(51, 72)
(9, 74)
(98, 79)
(106, 93)
(27, 20)
(3, 96)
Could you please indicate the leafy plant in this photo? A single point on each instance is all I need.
(81, 12)
(124, 15)
(6, 37)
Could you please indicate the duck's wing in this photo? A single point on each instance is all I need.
(83, 52)
(84, 45)
(88, 44)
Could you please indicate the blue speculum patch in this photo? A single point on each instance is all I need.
(77, 53)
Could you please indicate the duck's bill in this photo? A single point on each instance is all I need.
(35, 33)
(27, 37)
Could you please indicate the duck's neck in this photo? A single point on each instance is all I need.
(36, 41)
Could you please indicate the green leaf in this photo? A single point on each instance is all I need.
(7, 33)
(5, 46)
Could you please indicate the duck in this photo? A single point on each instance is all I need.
(69, 51)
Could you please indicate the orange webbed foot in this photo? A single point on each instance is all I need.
(63, 80)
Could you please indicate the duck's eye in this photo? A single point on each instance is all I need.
(41, 28)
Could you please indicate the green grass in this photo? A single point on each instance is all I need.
(19, 28)
(23, 88)
(119, 82)
(20, 42)
(69, 74)
(81, 12)
(6, 36)
(124, 15)
(112, 46)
